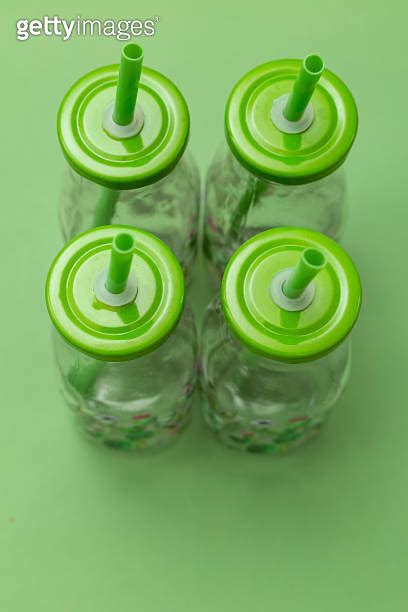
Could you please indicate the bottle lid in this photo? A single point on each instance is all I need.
(295, 152)
(115, 326)
(120, 158)
(266, 320)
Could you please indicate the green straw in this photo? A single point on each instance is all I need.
(309, 264)
(303, 88)
(128, 83)
(82, 376)
(120, 263)
(105, 207)
(241, 210)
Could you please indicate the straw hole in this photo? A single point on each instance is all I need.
(124, 242)
(132, 51)
(315, 258)
(314, 64)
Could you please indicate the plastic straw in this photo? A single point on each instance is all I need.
(309, 264)
(120, 263)
(128, 83)
(303, 88)
(105, 207)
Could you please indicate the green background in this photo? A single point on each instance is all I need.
(200, 527)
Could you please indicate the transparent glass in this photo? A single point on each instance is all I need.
(261, 405)
(141, 403)
(239, 205)
(168, 208)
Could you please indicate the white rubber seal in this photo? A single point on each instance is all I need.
(280, 299)
(114, 299)
(290, 127)
(122, 131)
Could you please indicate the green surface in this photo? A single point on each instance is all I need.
(115, 333)
(253, 313)
(201, 528)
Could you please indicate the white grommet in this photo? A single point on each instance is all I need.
(122, 131)
(114, 299)
(290, 127)
(290, 304)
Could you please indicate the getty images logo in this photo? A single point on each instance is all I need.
(122, 29)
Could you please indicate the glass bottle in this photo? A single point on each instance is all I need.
(276, 172)
(124, 342)
(124, 132)
(274, 366)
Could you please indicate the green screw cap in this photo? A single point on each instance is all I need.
(93, 124)
(87, 321)
(320, 294)
(317, 127)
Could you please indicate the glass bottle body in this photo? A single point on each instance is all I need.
(239, 205)
(262, 405)
(168, 208)
(144, 402)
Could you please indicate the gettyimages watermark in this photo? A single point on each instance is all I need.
(121, 29)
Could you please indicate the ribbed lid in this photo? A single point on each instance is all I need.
(275, 155)
(275, 331)
(111, 332)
